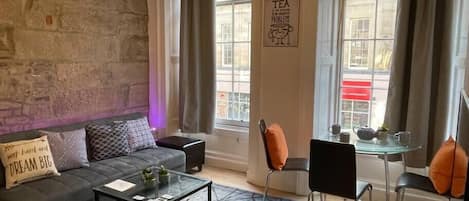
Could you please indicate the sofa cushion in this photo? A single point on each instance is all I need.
(31, 134)
(139, 135)
(68, 148)
(27, 160)
(108, 140)
(77, 184)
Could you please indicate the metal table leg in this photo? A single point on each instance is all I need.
(209, 189)
(96, 196)
(386, 172)
(402, 193)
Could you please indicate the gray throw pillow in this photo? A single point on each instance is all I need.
(68, 148)
(139, 135)
(108, 140)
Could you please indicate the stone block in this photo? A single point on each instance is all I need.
(72, 103)
(39, 109)
(107, 49)
(17, 128)
(112, 5)
(137, 6)
(37, 45)
(5, 113)
(131, 24)
(138, 95)
(42, 14)
(111, 99)
(15, 82)
(11, 11)
(129, 73)
(89, 20)
(42, 45)
(7, 44)
(77, 47)
(76, 76)
(134, 48)
(17, 120)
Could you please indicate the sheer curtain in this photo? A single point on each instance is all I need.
(163, 34)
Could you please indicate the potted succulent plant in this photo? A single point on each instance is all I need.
(382, 133)
(149, 179)
(163, 175)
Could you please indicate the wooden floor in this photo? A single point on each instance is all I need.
(238, 180)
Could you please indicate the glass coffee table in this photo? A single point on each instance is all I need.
(376, 147)
(179, 186)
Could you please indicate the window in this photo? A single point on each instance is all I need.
(367, 47)
(227, 55)
(233, 40)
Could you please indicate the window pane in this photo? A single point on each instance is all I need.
(358, 55)
(222, 105)
(224, 23)
(361, 106)
(242, 19)
(359, 19)
(378, 107)
(346, 120)
(383, 55)
(386, 20)
(366, 61)
(242, 61)
(347, 105)
(360, 119)
(233, 26)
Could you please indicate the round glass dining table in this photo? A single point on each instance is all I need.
(384, 148)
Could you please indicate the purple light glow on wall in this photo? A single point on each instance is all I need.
(157, 102)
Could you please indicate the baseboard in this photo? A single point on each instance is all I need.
(226, 161)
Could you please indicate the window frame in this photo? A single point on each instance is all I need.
(342, 69)
(227, 123)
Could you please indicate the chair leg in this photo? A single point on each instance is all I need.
(370, 190)
(398, 195)
(402, 194)
(310, 196)
(266, 187)
(322, 196)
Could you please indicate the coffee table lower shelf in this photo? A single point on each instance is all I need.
(180, 186)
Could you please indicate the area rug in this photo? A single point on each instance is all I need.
(225, 193)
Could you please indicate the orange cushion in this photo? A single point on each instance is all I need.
(441, 169)
(459, 175)
(276, 146)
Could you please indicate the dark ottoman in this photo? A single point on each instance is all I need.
(194, 149)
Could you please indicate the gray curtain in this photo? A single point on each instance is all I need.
(420, 77)
(197, 66)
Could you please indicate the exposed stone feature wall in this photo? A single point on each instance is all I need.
(70, 60)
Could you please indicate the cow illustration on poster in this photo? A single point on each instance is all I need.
(281, 23)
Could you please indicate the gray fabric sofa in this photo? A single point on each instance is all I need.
(77, 184)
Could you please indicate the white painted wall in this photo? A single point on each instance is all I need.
(282, 91)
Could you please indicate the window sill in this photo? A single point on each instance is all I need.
(231, 130)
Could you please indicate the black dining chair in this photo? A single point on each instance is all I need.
(332, 170)
(418, 182)
(292, 164)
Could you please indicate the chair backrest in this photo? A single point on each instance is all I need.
(263, 129)
(332, 169)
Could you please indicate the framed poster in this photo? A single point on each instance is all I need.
(281, 23)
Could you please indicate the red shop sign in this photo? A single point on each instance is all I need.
(356, 90)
